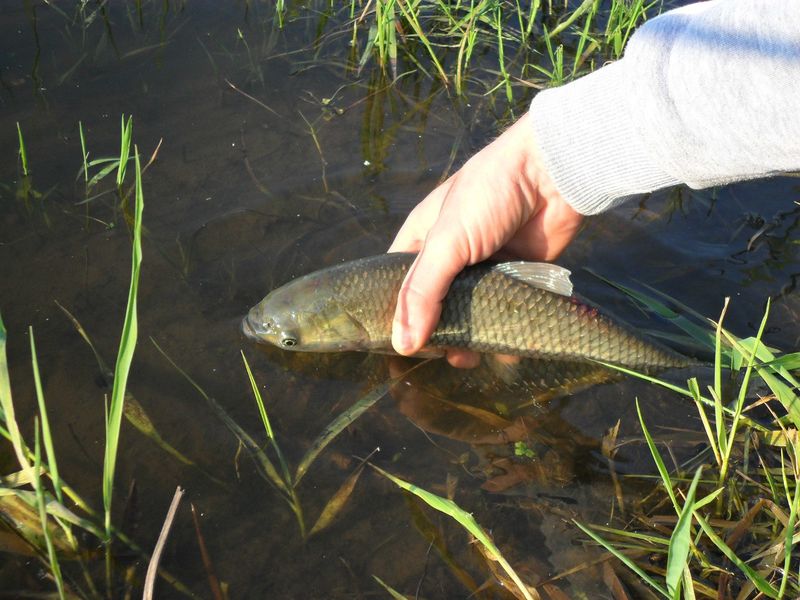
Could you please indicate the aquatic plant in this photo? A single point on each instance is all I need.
(729, 513)
(41, 516)
(23, 153)
(426, 32)
(747, 518)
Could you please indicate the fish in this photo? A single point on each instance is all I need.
(522, 309)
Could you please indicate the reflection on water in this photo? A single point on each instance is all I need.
(246, 195)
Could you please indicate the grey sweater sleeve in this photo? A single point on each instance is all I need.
(705, 95)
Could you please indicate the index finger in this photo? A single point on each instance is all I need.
(419, 302)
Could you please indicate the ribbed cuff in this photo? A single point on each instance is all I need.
(587, 139)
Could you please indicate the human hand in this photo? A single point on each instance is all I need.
(501, 202)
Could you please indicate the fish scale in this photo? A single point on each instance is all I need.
(489, 308)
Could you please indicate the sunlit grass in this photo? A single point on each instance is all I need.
(515, 32)
(717, 485)
(55, 567)
(283, 479)
(712, 529)
(127, 346)
(468, 523)
(473, 46)
(22, 152)
(46, 513)
(84, 155)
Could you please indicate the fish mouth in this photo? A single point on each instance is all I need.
(248, 330)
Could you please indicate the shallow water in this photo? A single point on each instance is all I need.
(240, 199)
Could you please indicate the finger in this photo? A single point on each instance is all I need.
(463, 359)
(419, 302)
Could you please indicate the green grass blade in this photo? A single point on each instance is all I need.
(257, 393)
(651, 540)
(102, 174)
(392, 592)
(788, 541)
(7, 405)
(292, 499)
(761, 584)
(501, 54)
(55, 568)
(680, 542)
(573, 16)
(370, 45)
(127, 347)
(717, 395)
(465, 519)
(708, 499)
(267, 425)
(84, 154)
(740, 400)
(694, 388)
(773, 376)
(270, 473)
(688, 584)
(48, 438)
(700, 334)
(391, 30)
(583, 37)
(338, 425)
(345, 419)
(23, 154)
(411, 17)
(624, 560)
(662, 468)
(683, 391)
(125, 149)
(787, 361)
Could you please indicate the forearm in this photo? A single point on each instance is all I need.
(704, 95)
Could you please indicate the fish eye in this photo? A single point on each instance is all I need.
(288, 342)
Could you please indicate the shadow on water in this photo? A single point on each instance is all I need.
(303, 163)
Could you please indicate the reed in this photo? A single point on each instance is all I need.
(55, 567)
(738, 498)
(85, 156)
(468, 523)
(126, 134)
(514, 32)
(22, 152)
(127, 346)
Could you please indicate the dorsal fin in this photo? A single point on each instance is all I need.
(545, 276)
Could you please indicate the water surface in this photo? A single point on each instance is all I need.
(276, 159)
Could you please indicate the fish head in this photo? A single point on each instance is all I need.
(305, 316)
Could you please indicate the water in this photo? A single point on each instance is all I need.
(241, 198)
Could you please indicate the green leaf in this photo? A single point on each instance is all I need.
(761, 584)
(392, 592)
(662, 468)
(465, 519)
(681, 541)
(624, 559)
(127, 346)
(338, 425)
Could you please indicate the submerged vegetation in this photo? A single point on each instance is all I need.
(715, 515)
